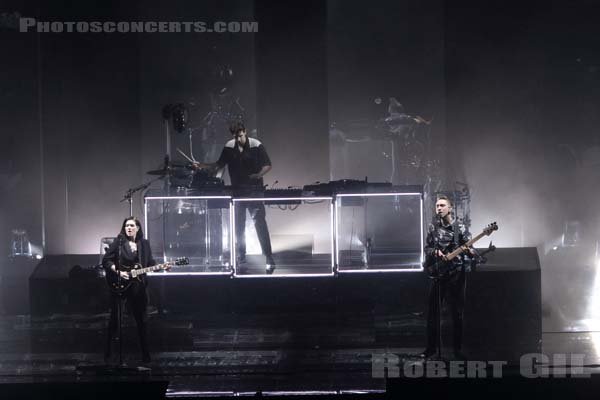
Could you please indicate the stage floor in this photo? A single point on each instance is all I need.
(242, 354)
(217, 335)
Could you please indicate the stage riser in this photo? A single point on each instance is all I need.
(57, 286)
(146, 389)
(511, 386)
(14, 285)
(503, 307)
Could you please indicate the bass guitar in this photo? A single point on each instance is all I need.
(119, 285)
(439, 267)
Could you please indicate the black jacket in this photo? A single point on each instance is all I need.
(443, 236)
(128, 258)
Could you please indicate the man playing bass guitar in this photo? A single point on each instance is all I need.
(448, 281)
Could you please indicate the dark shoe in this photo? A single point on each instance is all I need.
(427, 353)
(270, 267)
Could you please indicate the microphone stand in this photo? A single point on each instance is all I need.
(480, 258)
(119, 306)
(128, 196)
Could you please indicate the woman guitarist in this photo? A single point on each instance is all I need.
(127, 250)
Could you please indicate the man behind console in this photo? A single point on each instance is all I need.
(247, 161)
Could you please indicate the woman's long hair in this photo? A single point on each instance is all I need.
(140, 233)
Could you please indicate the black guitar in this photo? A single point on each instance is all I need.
(119, 286)
(437, 267)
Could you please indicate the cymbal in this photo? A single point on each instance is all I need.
(164, 171)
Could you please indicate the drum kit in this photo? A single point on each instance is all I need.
(225, 109)
(408, 152)
(184, 177)
(179, 180)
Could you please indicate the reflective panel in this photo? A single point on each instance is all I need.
(196, 227)
(378, 232)
(283, 236)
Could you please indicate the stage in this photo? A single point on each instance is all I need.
(241, 361)
(217, 335)
(304, 248)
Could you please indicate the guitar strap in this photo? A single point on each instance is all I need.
(118, 263)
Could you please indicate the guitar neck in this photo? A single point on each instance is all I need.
(139, 271)
(460, 250)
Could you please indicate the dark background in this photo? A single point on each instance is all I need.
(513, 89)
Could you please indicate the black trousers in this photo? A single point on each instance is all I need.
(136, 299)
(258, 214)
(452, 291)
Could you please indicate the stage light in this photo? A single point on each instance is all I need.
(20, 245)
(571, 234)
(36, 251)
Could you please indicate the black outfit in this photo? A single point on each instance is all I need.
(451, 282)
(241, 164)
(119, 253)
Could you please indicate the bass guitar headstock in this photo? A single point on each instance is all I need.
(490, 228)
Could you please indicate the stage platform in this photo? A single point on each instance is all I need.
(237, 366)
(228, 336)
